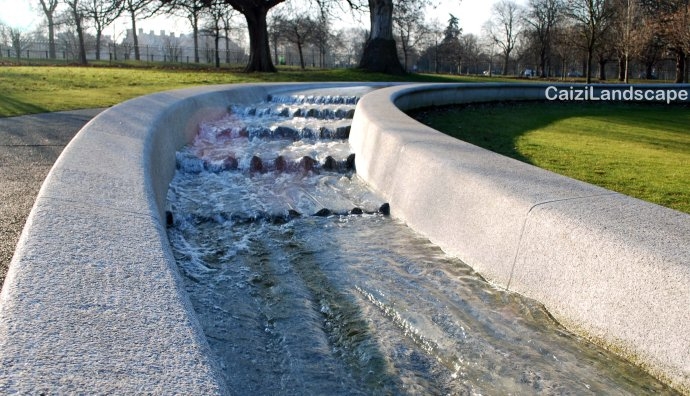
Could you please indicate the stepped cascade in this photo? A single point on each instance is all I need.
(304, 284)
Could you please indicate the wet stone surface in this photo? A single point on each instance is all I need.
(304, 284)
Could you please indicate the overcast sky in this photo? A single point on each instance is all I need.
(25, 14)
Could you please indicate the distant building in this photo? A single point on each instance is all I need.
(169, 47)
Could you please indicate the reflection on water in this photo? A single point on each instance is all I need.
(343, 302)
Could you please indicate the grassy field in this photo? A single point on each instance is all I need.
(641, 150)
(38, 89)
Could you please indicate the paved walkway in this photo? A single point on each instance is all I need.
(29, 145)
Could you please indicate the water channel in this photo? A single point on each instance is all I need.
(304, 285)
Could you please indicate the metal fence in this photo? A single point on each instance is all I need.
(111, 52)
(124, 52)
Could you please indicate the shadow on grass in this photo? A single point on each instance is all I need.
(12, 106)
(638, 149)
(485, 124)
(497, 126)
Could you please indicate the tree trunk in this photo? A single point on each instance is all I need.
(99, 33)
(588, 66)
(622, 69)
(680, 66)
(403, 45)
(195, 33)
(227, 48)
(542, 62)
(301, 56)
(51, 37)
(259, 50)
(649, 70)
(380, 52)
(134, 36)
(602, 70)
(436, 58)
(506, 59)
(49, 11)
(217, 45)
(80, 37)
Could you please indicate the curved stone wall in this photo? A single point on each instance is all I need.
(610, 267)
(93, 301)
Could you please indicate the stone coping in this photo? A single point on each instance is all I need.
(93, 301)
(612, 268)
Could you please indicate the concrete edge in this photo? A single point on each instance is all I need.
(93, 301)
(609, 267)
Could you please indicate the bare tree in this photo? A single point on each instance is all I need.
(651, 49)
(172, 49)
(670, 19)
(16, 38)
(503, 28)
(380, 52)
(592, 18)
(255, 13)
(297, 28)
(214, 26)
(49, 7)
(102, 13)
(77, 16)
(605, 51)
(275, 40)
(471, 51)
(541, 19)
(4, 37)
(219, 16)
(409, 26)
(227, 18)
(351, 44)
(323, 37)
(564, 40)
(192, 10)
(631, 34)
(140, 9)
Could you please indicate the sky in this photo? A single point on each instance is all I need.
(26, 14)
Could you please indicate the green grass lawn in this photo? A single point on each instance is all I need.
(38, 89)
(641, 150)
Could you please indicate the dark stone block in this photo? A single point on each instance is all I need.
(256, 165)
(385, 209)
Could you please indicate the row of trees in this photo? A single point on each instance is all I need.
(379, 54)
(548, 34)
(601, 30)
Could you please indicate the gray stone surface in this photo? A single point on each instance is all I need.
(610, 267)
(29, 145)
(92, 301)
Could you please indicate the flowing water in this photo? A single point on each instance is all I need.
(304, 285)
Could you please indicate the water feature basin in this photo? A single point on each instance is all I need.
(94, 300)
(298, 292)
